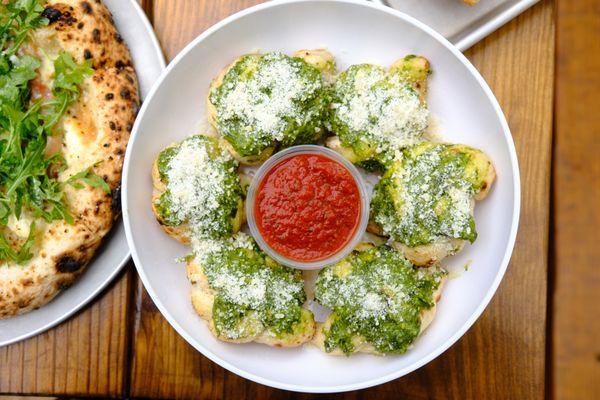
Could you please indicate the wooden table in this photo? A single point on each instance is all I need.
(531, 342)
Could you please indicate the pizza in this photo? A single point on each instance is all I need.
(68, 100)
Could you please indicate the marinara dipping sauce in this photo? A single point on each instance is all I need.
(307, 206)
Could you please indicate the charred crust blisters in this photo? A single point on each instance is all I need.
(87, 7)
(68, 264)
(51, 14)
(115, 205)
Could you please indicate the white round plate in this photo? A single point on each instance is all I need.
(114, 252)
(355, 32)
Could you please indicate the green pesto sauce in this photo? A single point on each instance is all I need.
(163, 162)
(216, 194)
(268, 100)
(253, 292)
(164, 207)
(428, 194)
(377, 296)
(413, 72)
(367, 114)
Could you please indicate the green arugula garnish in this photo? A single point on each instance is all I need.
(28, 174)
(17, 19)
(67, 76)
(23, 254)
(89, 177)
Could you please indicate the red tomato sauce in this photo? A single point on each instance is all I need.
(307, 207)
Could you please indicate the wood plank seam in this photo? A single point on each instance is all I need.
(575, 348)
(551, 284)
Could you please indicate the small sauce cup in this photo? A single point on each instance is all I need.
(278, 159)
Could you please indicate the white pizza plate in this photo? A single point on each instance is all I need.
(355, 32)
(461, 24)
(114, 252)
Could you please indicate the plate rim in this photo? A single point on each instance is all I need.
(127, 255)
(441, 348)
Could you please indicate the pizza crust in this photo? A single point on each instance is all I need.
(96, 130)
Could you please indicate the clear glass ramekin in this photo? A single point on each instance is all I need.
(283, 155)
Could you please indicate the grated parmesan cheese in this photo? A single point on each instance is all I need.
(203, 188)
(260, 108)
(426, 196)
(379, 108)
(377, 296)
(246, 285)
(268, 99)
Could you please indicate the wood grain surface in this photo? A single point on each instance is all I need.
(121, 348)
(87, 355)
(503, 355)
(576, 194)
(18, 397)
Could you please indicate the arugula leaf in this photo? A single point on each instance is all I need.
(17, 78)
(68, 75)
(28, 176)
(17, 19)
(91, 178)
(23, 254)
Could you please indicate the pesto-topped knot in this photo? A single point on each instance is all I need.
(265, 101)
(246, 296)
(197, 190)
(425, 201)
(376, 113)
(380, 302)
